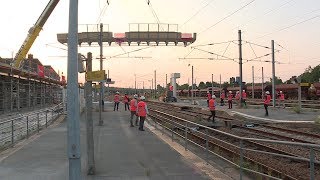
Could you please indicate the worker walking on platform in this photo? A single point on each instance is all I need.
(266, 102)
(230, 100)
(222, 96)
(281, 98)
(126, 102)
(133, 110)
(208, 98)
(116, 100)
(244, 98)
(142, 112)
(212, 108)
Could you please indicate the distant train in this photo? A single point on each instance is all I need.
(308, 91)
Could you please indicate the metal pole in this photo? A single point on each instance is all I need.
(108, 84)
(101, 84)
(192, 85)
(89, 120)
(273, 76)
(262, 84)
(299, 93)
(252, 82)
(73, 115)
(211, 84)
(155, 84)
(312, 164)
(240, 66)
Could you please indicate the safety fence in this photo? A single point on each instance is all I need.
(23, 126)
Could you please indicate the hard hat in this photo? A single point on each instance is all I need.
(237, 91)
(117, 92)
(230, 91)
(280, 91)
(213, 96)
(135, 96)
(243, 90)
(142, 98)
(267, 92)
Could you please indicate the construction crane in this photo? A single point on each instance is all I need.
(33, 33)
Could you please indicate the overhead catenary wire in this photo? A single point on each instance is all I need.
(229, 15)
(102, 12)
(218, 55)
(195, 14)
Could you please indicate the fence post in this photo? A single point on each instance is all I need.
(38, 122)
(12, 132)
(311, 163)
(27, 126)
(186, 136)
(241, 158)
(46, 118)
(207, 145)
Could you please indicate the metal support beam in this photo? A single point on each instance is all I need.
(273, 76)
(101, 84)
(73, 114)
(240, 66)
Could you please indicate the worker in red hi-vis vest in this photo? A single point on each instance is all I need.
(266, 102)
(230, 96)
(142, 112)
(281, 98)
(133, 109)
(212, 108)
(116, 100)
(126, 102)
(244, 98)
(208, 98)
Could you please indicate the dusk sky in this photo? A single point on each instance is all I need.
(293, 24)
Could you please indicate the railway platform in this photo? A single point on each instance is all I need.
(121, 152)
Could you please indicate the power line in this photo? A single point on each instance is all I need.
(290, 26)
(102, 12)
(197, 13)
(234, 12)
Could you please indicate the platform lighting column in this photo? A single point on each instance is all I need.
(252, 82)
(101, 83)
(240, 66)
(273, 76)
(89, 121)
(73, 114)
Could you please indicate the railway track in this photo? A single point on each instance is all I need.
(266, 162)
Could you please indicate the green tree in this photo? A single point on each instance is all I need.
(277, 80)
(202, 85)
(184, 86)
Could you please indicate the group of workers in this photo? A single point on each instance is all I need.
(137, 107)
(267, 99)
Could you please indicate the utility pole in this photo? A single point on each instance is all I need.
(89, 121)
(155, 84)
(101, 83)
(273, 76)
(211, 84)
(240, 65)
(108, 92)
(135, 83)
(73, 110)
(262, 86)
(192, 85)
(252, 82)
(299, 93)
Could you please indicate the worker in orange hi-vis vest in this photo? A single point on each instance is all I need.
(281, 98)
(230, 96)
(212, 108)
(208, 98)
(266, 102)
(142, 112)
(116, 100)
(133, 109)
(244, 98)
(126, 102)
